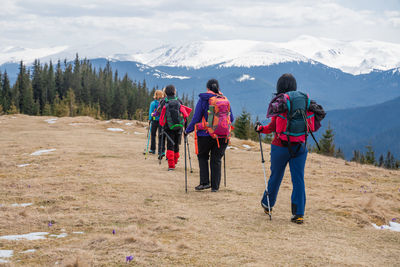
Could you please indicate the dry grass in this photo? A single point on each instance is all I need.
(98, 180)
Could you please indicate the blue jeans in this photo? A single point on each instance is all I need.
(280, 157)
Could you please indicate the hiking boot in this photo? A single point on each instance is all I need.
(214, 190)
(171, 169)
(202, 187)
(265, 207)
(152, 152)
(297, 219)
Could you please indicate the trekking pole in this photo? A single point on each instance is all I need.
(148, 139)
(190, 159)
(265, 177)
(162, 144)
(185, 140)
(224, 171)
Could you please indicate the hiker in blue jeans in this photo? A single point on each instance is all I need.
(284, 152)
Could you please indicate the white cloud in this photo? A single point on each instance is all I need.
(142, 24)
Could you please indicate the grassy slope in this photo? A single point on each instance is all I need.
(98, 180)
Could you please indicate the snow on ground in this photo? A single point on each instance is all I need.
(21, 205)
(393, 226)
(5, 254)
(129, 123)
(115, 129)
(28, 251)
(137, 133)
(247, 146)
(23, 165)
(60, 235)
(51, 121)
(231, 147)
(44, 151)
(245, 77)
(78, 233)
(30, 236)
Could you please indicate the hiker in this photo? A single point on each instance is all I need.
(173, 115)
(289, 148)
(212, 109)
(155, 125)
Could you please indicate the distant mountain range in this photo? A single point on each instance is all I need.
(378, 125)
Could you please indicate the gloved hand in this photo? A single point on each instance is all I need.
(258, 127)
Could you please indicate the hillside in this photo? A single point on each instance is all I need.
(377, 125)
(93, 181)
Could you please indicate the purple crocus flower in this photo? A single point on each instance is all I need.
(113, 231)
(394, 219)
(129, 258)
(50, 224)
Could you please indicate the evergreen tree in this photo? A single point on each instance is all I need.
(327, 142)
(6, 92)
(242, 125)
(339, 153)
(369, 155)
(380, 161)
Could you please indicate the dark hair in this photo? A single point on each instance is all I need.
(213, 85)
(286, 83)
(170, 90)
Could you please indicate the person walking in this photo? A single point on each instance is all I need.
(211, 122)
(173, 115)
(291, 112)
(155, 125)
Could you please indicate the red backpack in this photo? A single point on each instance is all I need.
(218, 124)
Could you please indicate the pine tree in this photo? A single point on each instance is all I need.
(242, 125)
(339, 153)
(369, 155)
(327, 142)
(380, 161)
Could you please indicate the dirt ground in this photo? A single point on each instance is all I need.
(97, 181)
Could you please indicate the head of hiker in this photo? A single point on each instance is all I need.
(170, 90)
(213, 86)
(158, 94)
(286, 83)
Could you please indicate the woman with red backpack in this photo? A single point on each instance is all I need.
(212, 122)
(292, 121)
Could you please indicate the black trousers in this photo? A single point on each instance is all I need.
(155, 126)
(208, 149)
(176, 136)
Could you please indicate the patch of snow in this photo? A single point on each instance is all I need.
(115, 129)
(6, 253)
(23, 165)
(245, 77)
(44, 151)
(28, 251)
(129, 123)
(3, 261)
(30, 236)
(231, 147)
(137, 133)
(119, 122)
(60, 235)
(75, 123)
(247, 146)
(21, 205)
(78, 233)
(393, 226)
(51, 121)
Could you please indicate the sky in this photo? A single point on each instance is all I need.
(139, 25)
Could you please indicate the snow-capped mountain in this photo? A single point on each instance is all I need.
(354, 57)
(238, 53)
